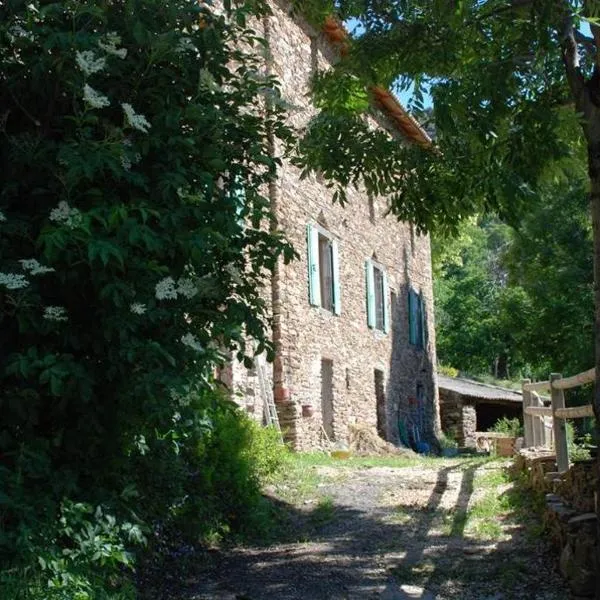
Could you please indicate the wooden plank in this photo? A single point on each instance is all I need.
(537, 386)
(576, 380)
(527, 419)
(575, 412)
(538, 411)
(559, 425)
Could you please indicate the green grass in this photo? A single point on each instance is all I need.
(324, 512)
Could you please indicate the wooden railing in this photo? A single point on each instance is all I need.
(546, 425)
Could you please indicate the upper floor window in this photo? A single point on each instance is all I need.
(378, 313)
(417, 319)
(323, 270)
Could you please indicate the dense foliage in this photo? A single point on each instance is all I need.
(501, 104)
(519, 302)
(134, 239)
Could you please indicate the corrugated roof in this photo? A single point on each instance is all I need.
(405, 123)
(474, 389)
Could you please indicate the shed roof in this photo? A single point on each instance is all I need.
(478, 391)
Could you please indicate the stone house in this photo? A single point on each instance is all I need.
(468, 407)
(352, 318)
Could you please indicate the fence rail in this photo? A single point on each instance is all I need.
(546, 425)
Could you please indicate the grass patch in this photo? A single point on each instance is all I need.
(324, 512)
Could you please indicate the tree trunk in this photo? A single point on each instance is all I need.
(594, 172)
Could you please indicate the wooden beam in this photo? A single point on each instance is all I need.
(575, 412)
(527, 420)
(538, 386)
(576, 380)
(538, 411)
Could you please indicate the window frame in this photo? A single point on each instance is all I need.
(315, 284)
(373, 310)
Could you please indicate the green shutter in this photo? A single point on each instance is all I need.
(370, 294)
(386, 306)
(412, 317)
(423, 321)
(314, 291)
(335, 259)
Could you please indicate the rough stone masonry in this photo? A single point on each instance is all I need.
(333, 370)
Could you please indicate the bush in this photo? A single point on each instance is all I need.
(512, 427)
(131, 260)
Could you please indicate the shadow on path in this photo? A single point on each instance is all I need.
(364, 548)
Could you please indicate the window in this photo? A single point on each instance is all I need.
(378, 316)
(417, 319)
(323, 270)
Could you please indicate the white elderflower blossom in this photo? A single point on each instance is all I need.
(34, 267)
(206, 80)
(55, 313)
(186, 287)
(109, 45)
(13, 281)
(136, 121)
(165, 289)
(88, 62)
(234, 273)
(65, 215)
(94, 98)
(190, 340)
(2, 217)
(137, 308)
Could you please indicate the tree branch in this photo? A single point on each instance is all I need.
(591, 11)
(584, 40)
(571, 61)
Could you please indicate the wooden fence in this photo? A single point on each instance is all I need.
(546, 425)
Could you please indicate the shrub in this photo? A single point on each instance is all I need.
(134, 240)
(448, 371)
(512, 427)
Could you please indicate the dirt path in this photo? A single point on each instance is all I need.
(447, 530)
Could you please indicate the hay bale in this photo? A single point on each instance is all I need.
(363, 440)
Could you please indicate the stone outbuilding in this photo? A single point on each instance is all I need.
(352, 317)
(468, 406)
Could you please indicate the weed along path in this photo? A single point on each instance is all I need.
(389, 529)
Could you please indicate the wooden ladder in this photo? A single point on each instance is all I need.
(266, 392)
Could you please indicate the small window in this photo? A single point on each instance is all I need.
(377, 297)
(323, 270)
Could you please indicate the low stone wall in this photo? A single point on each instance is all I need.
(569, 519)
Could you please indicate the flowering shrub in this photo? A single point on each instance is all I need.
(126, 247)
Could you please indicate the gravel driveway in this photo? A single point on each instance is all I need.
(390, 533)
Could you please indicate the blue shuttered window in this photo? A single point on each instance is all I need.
(378, 310)
(337, 296)
(417, 319)
(324, 289)
(370, 294)
(386, 307)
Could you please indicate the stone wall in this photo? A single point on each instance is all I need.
(569, 517)
(458, 418)
(306, 334)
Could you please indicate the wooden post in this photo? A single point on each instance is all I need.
(527, 419)
(538, 423)
(559, 426)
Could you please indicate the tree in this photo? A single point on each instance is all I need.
(515, 87)
(518, 301)
(134, 241)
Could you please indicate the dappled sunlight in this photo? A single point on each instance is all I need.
(377, 528)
